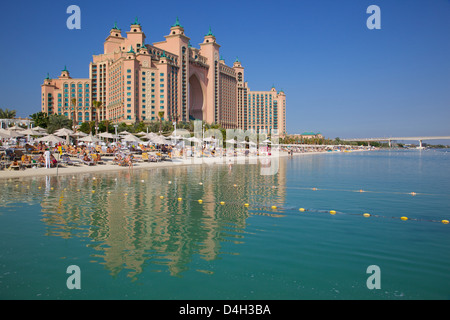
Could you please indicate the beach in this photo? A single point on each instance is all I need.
(138, 165)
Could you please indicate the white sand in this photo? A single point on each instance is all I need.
(108, 166)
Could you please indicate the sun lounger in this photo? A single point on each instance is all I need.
(66, 160)
(88, 163)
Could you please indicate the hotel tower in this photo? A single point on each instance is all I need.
(135, 81)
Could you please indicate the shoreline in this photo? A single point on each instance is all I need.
(109, 167)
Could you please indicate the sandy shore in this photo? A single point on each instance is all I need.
(109, 166)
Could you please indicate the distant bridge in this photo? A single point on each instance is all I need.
(390, 139)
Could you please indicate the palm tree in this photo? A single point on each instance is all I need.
(106, 122)
(74, 122)
(95, 106)
(57, 121)
(160, 115)
(7, 114)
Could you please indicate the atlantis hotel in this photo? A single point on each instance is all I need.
(135, 81)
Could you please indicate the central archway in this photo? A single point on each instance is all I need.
(195, 98)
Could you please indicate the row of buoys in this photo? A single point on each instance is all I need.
(332, 212)
(359, 190)
(367, 215)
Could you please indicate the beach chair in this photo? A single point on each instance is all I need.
(65, 159)
(145, 157)
(97, 159)
(88, 163)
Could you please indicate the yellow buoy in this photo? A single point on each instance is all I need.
(274, 207)
(413, 193)
(93, 191)
(314, 189)
(161, 197)
(222, 203)
(180, 199)
(445, 221)
(404, 218)
(125, 194)
(200, 201)
(50, 188)
(332, 212)
(301, 209)
(246, 204)
(361, 190)
(366, 215)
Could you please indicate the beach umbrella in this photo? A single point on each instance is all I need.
(11, 133)
(131, 138)
(267, 141)
(50, 138)
(39, 129)
(150, 135)
(124, 133)
(79, 134)
(231, 141)
(4, 135)
(63, 132)
(15, 128)
(160, 140)
(32, 132)
(89, 138)
(108, 135)
(194, 139)
(142, 133)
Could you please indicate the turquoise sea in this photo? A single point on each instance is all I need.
(129, 243)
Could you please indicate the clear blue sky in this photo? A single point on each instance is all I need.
(341, 78)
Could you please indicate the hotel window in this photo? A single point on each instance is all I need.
(128, 70)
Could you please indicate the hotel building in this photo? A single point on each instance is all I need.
(135, 81)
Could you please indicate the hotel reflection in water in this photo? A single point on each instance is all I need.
(129, 226)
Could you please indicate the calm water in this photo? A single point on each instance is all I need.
(131, 244)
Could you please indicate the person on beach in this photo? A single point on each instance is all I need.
(47, 158)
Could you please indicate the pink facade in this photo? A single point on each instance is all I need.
(136, 81)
